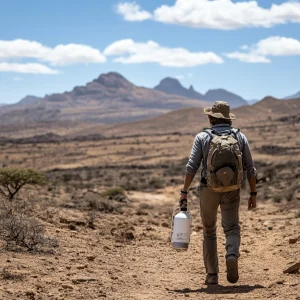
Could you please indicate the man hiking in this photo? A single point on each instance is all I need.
(226, 159)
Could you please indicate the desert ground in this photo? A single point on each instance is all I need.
(109, 202)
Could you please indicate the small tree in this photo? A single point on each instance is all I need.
(13, 179)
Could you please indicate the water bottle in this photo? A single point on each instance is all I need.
(181, 227)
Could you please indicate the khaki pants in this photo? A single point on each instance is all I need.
(209, 203)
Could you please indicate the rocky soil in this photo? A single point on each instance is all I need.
(127, 255)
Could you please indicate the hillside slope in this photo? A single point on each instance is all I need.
(191, 119)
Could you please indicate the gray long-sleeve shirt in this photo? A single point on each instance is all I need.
(201, 147)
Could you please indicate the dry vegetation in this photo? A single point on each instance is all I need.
(108, 204)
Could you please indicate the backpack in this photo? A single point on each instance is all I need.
(224, 161)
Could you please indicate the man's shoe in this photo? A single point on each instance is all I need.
(211, 279)
(232, 269)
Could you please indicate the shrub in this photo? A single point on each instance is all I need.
(67, 177)
(17, 229)
(97, 203)
(13, 179)
(156, 183)
(115, 193)
(277, 198)
(8, 275)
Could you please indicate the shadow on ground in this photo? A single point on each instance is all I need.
(220, 289)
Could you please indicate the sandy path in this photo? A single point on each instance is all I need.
(147, 267)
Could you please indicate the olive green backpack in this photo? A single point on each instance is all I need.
(224, 161)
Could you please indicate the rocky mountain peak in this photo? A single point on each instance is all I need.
(113, 79)
(29, 99)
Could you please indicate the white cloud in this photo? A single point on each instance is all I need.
(248, 57)
(219, 14)
(278, 46)
(74, 54)
(132, 12)
(31, 68)
(271, 46)
(130, 52)
(59, 55)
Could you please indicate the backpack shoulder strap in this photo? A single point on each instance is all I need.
(235, 132)
(211, 132)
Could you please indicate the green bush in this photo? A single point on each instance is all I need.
(112, 192)
(13, 179)
(156, 183)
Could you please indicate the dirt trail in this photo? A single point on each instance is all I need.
(106, 264)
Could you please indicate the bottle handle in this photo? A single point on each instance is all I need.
(172, 220)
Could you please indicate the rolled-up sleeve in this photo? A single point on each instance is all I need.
(195, 157)
(247, 159)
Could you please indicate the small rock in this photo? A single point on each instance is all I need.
(83, 279)
(149, 228)
(72, 227)
(293, 241)
(266, 269)
(270, 227)
(292, 268)
(106, 248)
(164, 224)
(30, 294)
(114, 277)
(81, 267)
(91, 257)
(280, 281)
(67, 287)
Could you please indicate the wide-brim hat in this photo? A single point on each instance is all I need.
(221, 110)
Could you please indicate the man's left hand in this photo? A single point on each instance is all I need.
(252, 202)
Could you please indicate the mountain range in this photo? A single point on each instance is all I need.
(111, 98)
(173, 86)
(297, 95)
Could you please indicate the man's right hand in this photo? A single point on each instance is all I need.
(182, 197)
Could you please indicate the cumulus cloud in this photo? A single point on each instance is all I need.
(218, 14)
(271, 46)
(31, 68)
(59, 55)
(278, 46)
(74, 54)
(132, 12)
(131, 52)
(248, 57)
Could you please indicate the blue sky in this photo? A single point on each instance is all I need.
(253, 51)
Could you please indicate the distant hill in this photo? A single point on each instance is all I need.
(221, 94)
(297, 95)
(193, 120)
(253, 101)
(110, 98)
(29, 100)
(174, 87)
